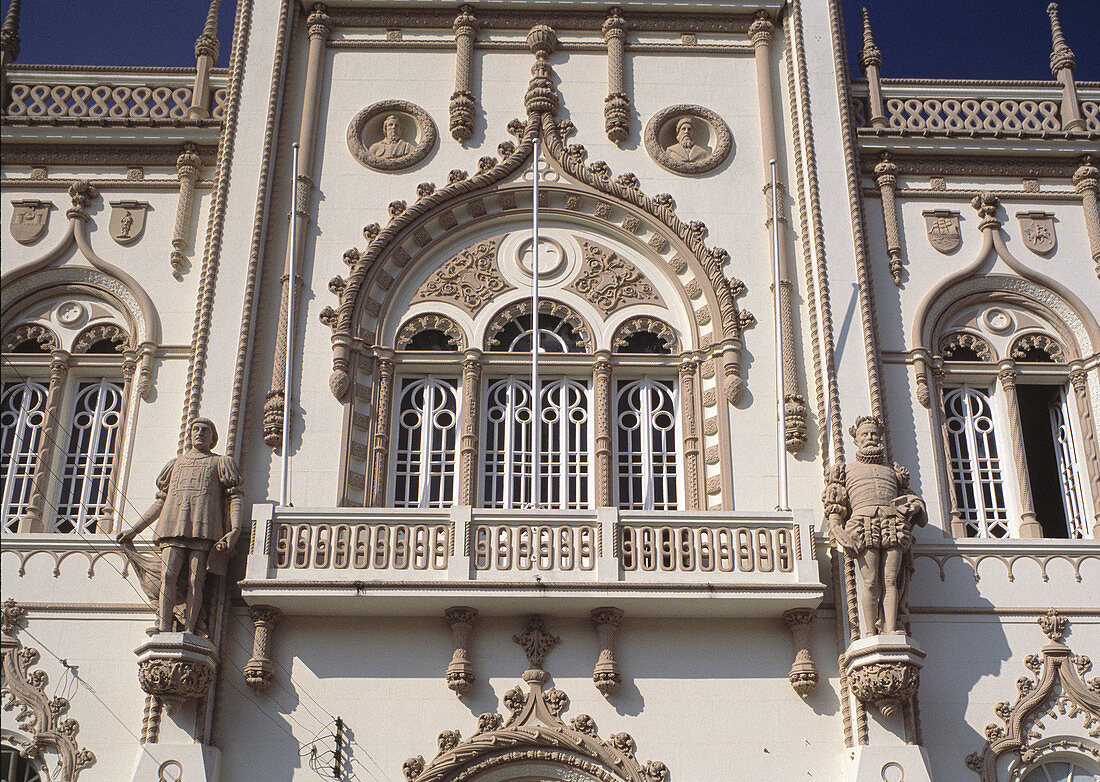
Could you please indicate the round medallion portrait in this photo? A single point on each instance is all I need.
(688, 139)
(391, 135)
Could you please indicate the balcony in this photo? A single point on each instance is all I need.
(395, 561)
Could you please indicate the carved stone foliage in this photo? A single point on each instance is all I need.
(535, 741)
(952, 344)
(469, 279)
(1022, 347)
(30, 332)
(546, 306)
(663, 333)
(536, 642)
(430, 321)
(391, 135)
(887, 684)
(688, 139)
(1056, 690)
(610, 281)
(37, 714)
(104, 332)
(174, 667)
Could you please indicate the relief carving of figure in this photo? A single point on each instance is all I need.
(871, 516)
(392, 145)
(126, 223)
(685, 150)
(198, 515)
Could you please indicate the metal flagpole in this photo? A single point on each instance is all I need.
(780, 390)
(284, 493)
(536, 407)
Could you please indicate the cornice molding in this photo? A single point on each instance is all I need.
(122, 153)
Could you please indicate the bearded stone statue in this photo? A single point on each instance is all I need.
(871, 516)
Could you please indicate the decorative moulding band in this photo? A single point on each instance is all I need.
(662, 140)
(416, 135)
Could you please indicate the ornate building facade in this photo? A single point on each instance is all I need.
(806, 485)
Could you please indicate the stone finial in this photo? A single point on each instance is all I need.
(207, 42)
(11, 613)
(1061, 56)
(1086, 176)
(82, 194)
(542, 96)
(9, 33)
(542, 40)
(986, 205)
(1053, 623)
(536, 642)
(869, 55)
(465, 22)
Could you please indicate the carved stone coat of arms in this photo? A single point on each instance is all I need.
(29, 220)
(1037, 231)
(127, 221)
(943, 229)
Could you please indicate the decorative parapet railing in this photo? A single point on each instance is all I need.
(980, 108)
(108, 96)
(345, 560)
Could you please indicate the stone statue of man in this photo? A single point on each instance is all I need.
(391, 145)
(198, 515)
(685, 150)
(871, 516)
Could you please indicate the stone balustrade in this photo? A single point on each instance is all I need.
(934, 108)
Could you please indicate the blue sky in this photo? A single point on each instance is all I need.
(976, 39)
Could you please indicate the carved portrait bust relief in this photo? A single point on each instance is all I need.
(688, 139)
(391, 135)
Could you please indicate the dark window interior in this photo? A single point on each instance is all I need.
(431, 339)
(644, 342)
(1035, 402)
(962, 353)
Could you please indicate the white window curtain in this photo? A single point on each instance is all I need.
(976, 469)
(645, 423)
(427, 435)
(22, 417)
(89, 459)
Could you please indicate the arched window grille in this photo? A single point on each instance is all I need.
(556, 335)
(564, 480)
(16, 768)
(1063, 770)
(427, 431)
(90, 457)
(976, 462)
(22, 417)
(645, 423)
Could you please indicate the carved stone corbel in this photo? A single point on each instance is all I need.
(463, 101)
(460, 671)
(1086, 180)
(886, 176)
(259, 671)
(607, 675)
(616, 109)
(803, 675)
(188, 165)
(37, 714)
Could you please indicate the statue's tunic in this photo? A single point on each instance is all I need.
(194, 488)
(876, 521)
(390, 149)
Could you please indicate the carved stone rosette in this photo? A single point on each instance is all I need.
(803, 674)
(460, 672)
(176, 667)
(883, 671)
(607, 675)
(259, 671)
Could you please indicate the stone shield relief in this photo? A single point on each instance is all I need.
(391, 135)
(688, 139)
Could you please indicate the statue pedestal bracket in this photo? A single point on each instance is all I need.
(903, 763)
(176, 667)
(189, 762)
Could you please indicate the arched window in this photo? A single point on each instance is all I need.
(427, 426)
(67, 370)
(1068, 770)
(16, 768)
(645, 425)
(976, 468)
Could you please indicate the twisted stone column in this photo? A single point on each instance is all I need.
(463, 101)
(887, 180)
(870, 60)
(616, 109)
(33, 520)
(320, 27)
(1062, 63)
(601, 388)
(689, 369)
(206, 56)
(1029, 526)
(460, 672)
(259, 671)
(803, 675)
(188, 165)
(1086, 180)
(939, 427)
(380, 454)
(471, 427)
(607, 675)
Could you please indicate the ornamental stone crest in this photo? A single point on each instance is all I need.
(1037, 231)
(469, 279)
(610, 281)
(29, 219)
(942, 226)
(127, 221)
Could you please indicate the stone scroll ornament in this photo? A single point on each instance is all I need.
(688, 139)
(871, 516)
(197, 512)
(391, 135)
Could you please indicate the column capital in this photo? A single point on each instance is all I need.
(761, 30)
(319, 23)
